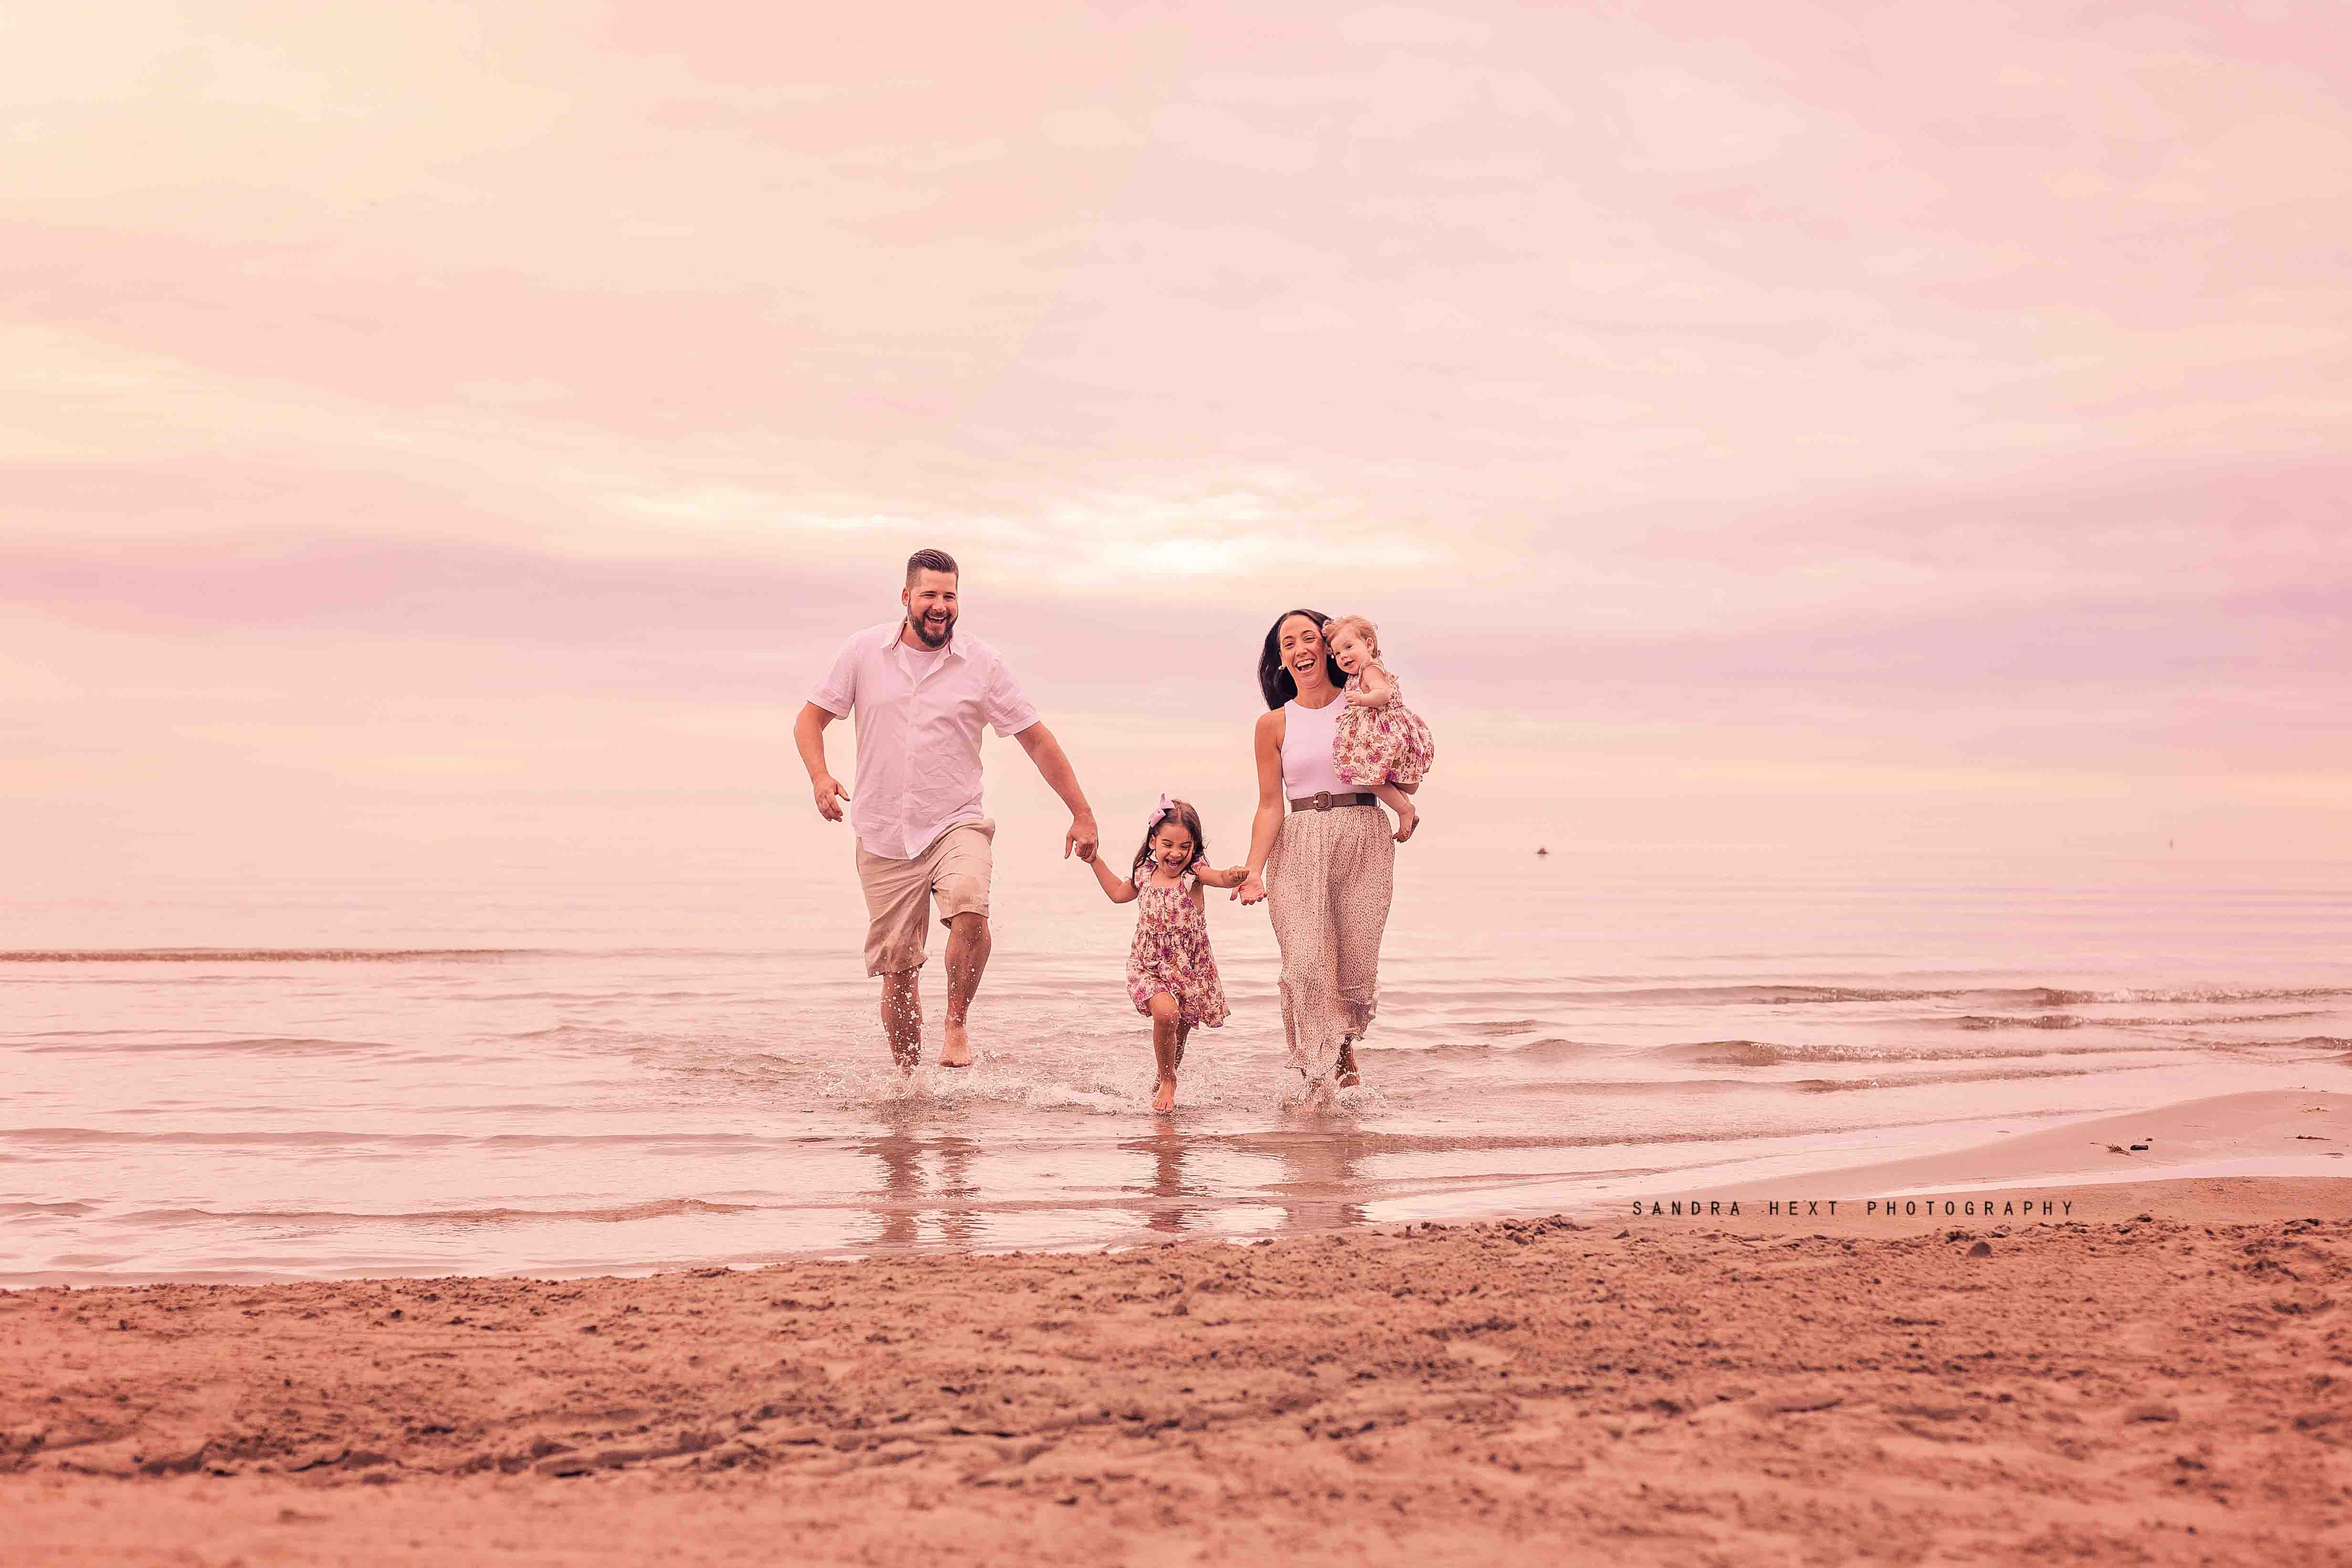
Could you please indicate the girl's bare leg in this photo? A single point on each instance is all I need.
(1394, 800)
(1167, 1048)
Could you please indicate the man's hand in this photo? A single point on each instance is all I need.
(1253, 888)
(1081, 839)
(829, 796)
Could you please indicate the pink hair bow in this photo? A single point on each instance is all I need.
(1160, 813)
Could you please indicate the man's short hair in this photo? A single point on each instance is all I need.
(930, 561)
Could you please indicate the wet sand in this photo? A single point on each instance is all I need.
(2106, 1387)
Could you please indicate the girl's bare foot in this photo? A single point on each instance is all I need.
(955, 1046)
(1165, 1098)
(1407, 820)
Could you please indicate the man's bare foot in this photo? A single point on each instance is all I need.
(1407, 820)
(955, 1046)
(1165, 1098)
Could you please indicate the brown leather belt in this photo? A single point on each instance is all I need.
(1323, 800)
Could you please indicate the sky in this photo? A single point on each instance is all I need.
(448, 442)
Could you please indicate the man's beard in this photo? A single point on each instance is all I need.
(922, 632)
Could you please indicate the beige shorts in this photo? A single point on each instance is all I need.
(954, 871)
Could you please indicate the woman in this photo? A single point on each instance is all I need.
(1326, 868)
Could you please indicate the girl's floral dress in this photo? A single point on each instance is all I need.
(1171, 952)
(1381, 744)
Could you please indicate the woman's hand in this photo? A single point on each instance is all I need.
(1251, 888)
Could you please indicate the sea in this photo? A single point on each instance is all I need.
(279, 1080)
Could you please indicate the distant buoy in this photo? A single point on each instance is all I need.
(1542, 851)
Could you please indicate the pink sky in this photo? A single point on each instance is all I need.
(435, 437)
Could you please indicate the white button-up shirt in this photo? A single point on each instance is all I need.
(919, 718)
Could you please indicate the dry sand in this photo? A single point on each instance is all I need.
(2172, 1388)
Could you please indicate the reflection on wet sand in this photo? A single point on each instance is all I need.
(1320, 1189)
(908, 1193)
(1170, 1214)
(1304, 1178)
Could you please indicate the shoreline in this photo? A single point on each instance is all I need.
(2112, 1387)
(2199, 1147)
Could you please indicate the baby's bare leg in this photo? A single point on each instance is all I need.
(1394, 800)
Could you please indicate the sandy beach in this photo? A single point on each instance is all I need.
(2153, 1378)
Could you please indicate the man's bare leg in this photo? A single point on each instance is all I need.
(902, 1018)
(967, 947)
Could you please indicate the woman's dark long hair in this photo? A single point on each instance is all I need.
(1180, 812)
(1273, 677)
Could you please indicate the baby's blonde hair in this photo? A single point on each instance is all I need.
(1356, 624)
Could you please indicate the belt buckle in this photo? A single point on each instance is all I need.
(1322, 800)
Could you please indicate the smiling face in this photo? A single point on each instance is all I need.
(1301, 643)
(1172, 848)
(930, 600)
(1347, 646)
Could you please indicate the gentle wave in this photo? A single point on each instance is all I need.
(1764, 1053)
(653, 1208)
(2029, 998)
(323, 1138)
(270, 955)
(2076, 1020)
(294, 1045)
(1939, 1081)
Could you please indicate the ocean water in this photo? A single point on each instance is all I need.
(301, 1081)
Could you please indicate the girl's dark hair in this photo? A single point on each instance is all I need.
(1180, 812)
(1273, 677)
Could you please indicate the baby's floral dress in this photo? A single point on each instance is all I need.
(1171, 952)
(1381, 744)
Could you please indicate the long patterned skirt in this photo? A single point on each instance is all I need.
(1327, 883)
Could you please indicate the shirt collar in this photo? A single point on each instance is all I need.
(955, 645)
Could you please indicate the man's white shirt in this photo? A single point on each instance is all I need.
(919, 718)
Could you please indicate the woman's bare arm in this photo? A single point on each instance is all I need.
(1268, 821)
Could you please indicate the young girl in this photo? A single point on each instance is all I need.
(1169, 972)
(1380, 742)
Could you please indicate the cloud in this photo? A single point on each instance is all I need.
(1410, 25)
(1924, 394)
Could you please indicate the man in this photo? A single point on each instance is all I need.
(921, 693)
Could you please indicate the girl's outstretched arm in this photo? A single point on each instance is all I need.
(1114, 888)
(1210, 876)
(1379, 690)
